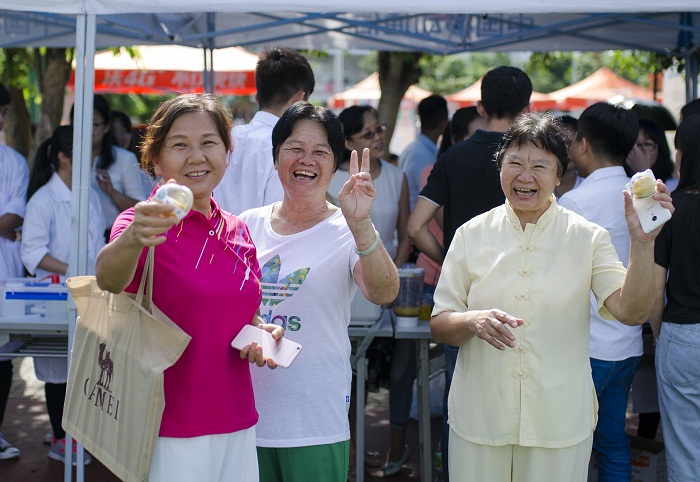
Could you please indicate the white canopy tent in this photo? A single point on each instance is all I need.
(539, 25)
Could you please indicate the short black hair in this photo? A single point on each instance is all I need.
(569, 122)
(505, 92)
(432, 112)
(541, 129)
(305, 110)
(611, 130)
(280, 73)
(690, 109)
(5, 96)
(687, 141)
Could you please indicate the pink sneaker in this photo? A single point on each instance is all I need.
(58, 451)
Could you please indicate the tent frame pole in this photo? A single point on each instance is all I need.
(82, 159)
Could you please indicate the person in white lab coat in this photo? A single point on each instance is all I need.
(115, 174)
(14, 177)
(45, 250)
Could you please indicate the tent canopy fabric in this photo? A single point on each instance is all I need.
(447, 6)
(160, 69)
(602, 85)
(472, 94)
(368, 90)
(508, 26)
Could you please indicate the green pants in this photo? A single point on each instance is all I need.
(316, 463)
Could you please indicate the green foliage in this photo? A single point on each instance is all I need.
(18, 70)
(370, 62)
(549, 71)
(554, 70)
(314, 54)
(448, 74)
(138, 107)
(443, 75)
(478, 63)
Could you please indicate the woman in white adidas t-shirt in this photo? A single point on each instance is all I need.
(313, 256)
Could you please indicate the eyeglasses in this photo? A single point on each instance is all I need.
(95, 125)
(646, 146)
(378, 131)
(517, 168)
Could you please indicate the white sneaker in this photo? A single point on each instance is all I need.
(48, 438)
(7, 451)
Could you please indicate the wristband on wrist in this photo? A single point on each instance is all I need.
(371, 248)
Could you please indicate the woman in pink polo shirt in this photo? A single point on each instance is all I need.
(206, 279)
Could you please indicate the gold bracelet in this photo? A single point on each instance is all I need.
(371, 248)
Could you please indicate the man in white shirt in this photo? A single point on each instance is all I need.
(604, 136)
(14, 179)
(422, 152)
(282, 77)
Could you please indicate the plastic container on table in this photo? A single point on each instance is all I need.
(408, 303)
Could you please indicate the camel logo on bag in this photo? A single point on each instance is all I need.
(106, 369)
(101, 393)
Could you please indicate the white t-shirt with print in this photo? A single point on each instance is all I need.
(307, 284)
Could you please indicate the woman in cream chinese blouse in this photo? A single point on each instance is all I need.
(514, 296)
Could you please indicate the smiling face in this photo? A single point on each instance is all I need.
(305, 160)
(528, 179)
(372, 137)
(194, 155)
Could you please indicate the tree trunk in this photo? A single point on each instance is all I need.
(397, 72)
(18, 126)
(52, 75)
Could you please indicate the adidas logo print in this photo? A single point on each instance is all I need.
(274, 290)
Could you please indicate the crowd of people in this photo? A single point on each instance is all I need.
(541, 273)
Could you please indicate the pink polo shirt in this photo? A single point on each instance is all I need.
(207, 280)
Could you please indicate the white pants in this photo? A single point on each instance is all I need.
(228, 457)
(470, 462)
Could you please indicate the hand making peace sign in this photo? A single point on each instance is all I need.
(358, 194)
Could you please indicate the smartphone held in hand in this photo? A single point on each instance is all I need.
(282, 351)
(651, 214)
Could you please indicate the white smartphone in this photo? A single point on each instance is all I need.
(282, 351)
(650, 212)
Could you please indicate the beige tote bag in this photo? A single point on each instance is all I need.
(114, 399)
